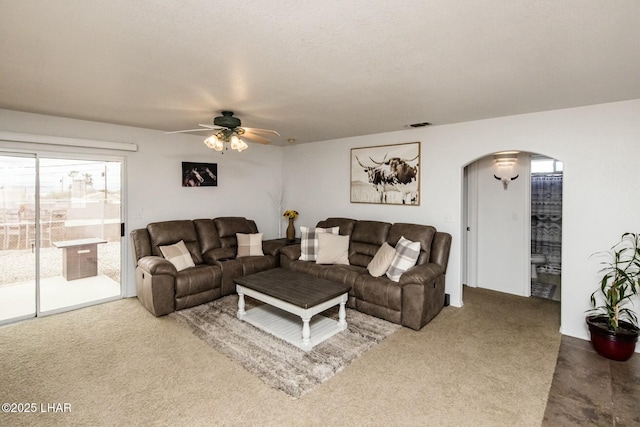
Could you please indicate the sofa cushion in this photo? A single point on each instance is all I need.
(207, 234)
(366, 239)
(178, 255)
(345, 274)
(199, 279)
(416, 233)
(407, 253)
(256, 264)
(249, 244)
(379, 291)
(346, 225)
(169, 232)
(332, 249)
(228, 226)
(309, 241)
(382, 260)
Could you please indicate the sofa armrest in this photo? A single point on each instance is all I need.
(422, 294)
(424, 274)
(213, 256)
(289, 254)
(272, 247)
(157, 265)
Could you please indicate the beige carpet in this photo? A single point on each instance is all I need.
(489, 363)
(276, 362)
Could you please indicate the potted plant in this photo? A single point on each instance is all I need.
(614, 326)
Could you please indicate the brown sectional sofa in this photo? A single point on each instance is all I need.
(213, 246)
(412, 302)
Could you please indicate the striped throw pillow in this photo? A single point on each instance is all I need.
(407, 253)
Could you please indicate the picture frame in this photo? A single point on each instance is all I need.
(386, 174)
(199, 174)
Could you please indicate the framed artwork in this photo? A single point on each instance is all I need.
(386, 174)
(199, 174)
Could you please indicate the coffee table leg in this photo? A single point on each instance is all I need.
(241, 311)
(342, 316)
(306, 332)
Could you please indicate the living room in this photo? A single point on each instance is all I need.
(597, 141)
(581, 139)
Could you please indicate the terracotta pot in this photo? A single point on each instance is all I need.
(615, 345)
(291, 231)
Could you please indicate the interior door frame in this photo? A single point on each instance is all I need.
(470, 223)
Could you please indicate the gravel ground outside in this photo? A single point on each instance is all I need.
(19, 265)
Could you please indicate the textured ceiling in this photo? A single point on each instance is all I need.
(314, 70)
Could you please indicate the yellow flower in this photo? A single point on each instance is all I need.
(290, 214)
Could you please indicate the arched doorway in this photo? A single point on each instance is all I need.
(501, 230)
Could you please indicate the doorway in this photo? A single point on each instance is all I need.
(60, 223)
(502, 229)
(546, 227)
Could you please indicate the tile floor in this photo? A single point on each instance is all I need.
(589, 390)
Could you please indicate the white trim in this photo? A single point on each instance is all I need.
(525, 173)
(73, 142)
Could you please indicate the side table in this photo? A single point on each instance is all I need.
(79, 257)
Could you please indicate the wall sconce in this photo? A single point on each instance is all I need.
(505, 167)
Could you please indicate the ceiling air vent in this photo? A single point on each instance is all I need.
(419, 125)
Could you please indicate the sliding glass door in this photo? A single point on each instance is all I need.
(17, 259)
(62, 236)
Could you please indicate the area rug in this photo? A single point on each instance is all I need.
(276, 362)
(542, 290)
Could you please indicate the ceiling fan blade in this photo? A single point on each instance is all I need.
(255, 138)
(254, 130)
(188, 130)
(204, 128)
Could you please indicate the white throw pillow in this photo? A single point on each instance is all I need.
(309, 241)
(249, 244)
(382, 260)
(407, 253)
(333, 249)
(178, 255)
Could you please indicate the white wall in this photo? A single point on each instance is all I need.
(600, 148)
(248, 181)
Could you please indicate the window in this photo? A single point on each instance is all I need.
(545, 165)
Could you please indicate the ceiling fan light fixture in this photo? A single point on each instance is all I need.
(235, 142)
(211, 141)
(218, 141)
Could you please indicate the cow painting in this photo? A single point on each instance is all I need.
(390, 179)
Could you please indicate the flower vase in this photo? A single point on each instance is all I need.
(291, 231)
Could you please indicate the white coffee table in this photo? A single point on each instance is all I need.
(292, 303)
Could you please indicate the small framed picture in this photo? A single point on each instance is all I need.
(386, 174)
(199, 174)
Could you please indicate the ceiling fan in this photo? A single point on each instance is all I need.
(228, 130)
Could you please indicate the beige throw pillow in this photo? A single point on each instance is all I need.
(309, 241)
(333, 249)
(249, 244)
(178, 255)
(382, 260)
